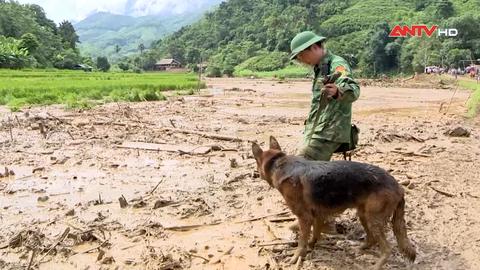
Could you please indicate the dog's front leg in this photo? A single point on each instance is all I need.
(305, 223)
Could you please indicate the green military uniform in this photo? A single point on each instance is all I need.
(325, 132)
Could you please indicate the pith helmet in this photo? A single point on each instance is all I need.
(302, 41)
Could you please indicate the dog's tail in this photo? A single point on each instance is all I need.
(400, 231)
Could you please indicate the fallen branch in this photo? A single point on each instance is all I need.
(198, 256)
(62, 237)
(182, 149)
(451, 99)
(84, 231)
(32, 257)
(94, 248)
(410, 153)
(286, 242)
(208, 135)
(442, 192)
(285, 219)
(58, 194)
(269, 229)
(183, 228)
(219, 258)
(262, 217)
(272, 262)
(155, 188)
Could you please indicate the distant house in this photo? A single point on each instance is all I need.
(167, 64)
(83, 67)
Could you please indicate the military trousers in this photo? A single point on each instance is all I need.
(318, 149)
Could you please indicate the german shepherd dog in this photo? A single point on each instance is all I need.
(317, 190)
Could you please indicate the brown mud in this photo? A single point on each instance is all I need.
(84, 196)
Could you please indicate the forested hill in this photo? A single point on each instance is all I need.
(357, 29)
(116, 35)
(29, 39)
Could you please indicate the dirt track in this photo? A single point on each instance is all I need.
(79, 165)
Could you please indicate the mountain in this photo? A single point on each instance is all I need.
(358, 30)
(101, 32)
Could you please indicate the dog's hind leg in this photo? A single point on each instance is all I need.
(377, 228)
(305, 223)
(369, 239)
(318, 226)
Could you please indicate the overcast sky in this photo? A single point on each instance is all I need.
(75, 10)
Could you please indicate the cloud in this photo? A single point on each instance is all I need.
(76, 10)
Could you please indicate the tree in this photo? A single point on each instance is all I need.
(103, 64)
(455, 56)
(67, 59)
(41, 17)
(141, 47)
(29, 42)
(68, 35)
(444, 9)
(12, 55)
(22, 21)
(124, 66)
(375, 59)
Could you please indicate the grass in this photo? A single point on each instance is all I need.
(291, 71)
(473, 103)
(19, 88)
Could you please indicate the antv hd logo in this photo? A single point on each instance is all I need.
(419, 30)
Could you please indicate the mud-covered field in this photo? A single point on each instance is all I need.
(172, 184)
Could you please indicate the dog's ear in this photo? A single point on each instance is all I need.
(274, 144)
(257, 151)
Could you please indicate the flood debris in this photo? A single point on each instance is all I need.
(384, 136)
(196, 194)
(70, 213)
(7, 173)
(38, 169)
(43, 198)
(123, 202)
(162, 203)
(458, 132)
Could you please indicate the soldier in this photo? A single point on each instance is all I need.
(329, 122)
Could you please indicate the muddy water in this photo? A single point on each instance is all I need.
(215, 192)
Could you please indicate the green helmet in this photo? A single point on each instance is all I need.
(302, 41)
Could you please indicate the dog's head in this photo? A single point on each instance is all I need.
(265, 158)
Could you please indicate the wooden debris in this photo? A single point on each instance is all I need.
(265, 216)
(62, 237)
(442, 192)
(182, 149)
(208, 135)
(38, 169)
(94, 248)
(285, 219)
(286, 242)
(155, 188)
(411, 153)
(42, 198)
(198, 256)
(123, 202)
(183, 228)
(219, 258)
(32, 257)
(163, 203)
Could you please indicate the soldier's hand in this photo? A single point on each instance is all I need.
(331, 90)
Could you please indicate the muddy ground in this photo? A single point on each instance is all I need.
(194, 202)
